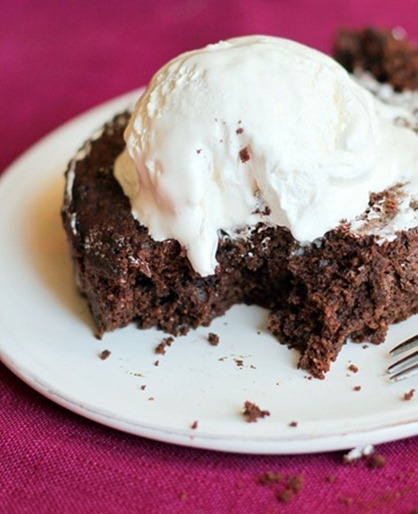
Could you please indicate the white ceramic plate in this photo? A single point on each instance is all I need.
(46, 338)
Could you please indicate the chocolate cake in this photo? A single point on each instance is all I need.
(349, 284)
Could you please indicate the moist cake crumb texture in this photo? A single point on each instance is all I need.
(161, 347)
(104, 354)
(346, 285)
(252, 412)
(353, 368)
(213, 339)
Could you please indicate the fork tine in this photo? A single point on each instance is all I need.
(405, 346)
(406, 362)
(406, 373)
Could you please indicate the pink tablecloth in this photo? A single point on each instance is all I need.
(57, 59)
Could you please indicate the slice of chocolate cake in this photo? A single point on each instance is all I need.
(387, 55)
(350, 283)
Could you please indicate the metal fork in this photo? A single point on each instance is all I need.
(408, 365)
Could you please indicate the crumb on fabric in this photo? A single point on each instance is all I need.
(270, 477)
(376, 461)
(161, 348)
(293, 485)
(157, 363)
(367, 454)
(213, 339)
(143, 387)
(290, 485)
(105, 354)
(285, 495)
(151, 399)
(357, 388)
(183, 496)
(408, 396)
(252, 412)
(353, 368)
(346, 500)
(239, 362)
(293, 424)
(194, 425)
(331, 479)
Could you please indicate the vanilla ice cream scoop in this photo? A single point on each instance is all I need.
(248, 123)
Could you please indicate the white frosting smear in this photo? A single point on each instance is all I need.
(223, 132)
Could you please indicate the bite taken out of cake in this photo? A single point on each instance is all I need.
(257, 171)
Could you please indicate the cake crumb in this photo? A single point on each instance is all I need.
(183, 496)
(213, 339)
(357, 388)
(239, 362)
(376, 461)
(143, 387)
(293, 424)
(331, 479)
(285, 496)
(346, 500)
(161, 348)
(239, 130)
(353, 368)
(252, 412)
(157, 363)
(291, 484)
(151, 399)
(105, 354)
(194, 425)
(408, 396)
(183, 330)
(270, 477)
(244, 154)
(295, 483)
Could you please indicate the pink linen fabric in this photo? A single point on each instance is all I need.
(58, 59)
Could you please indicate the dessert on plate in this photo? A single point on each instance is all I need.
(257, 171)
